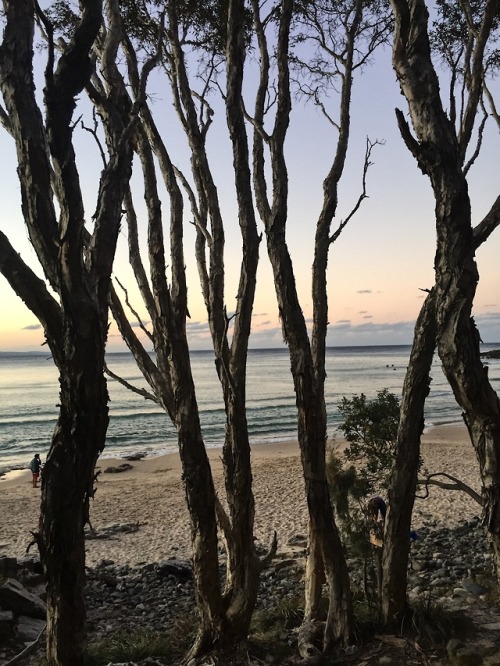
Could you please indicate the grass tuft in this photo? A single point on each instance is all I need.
(170, 645)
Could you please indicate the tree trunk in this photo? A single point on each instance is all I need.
(78, 266)
(326, 559)
(312, 440)
(67, 486)
(469, 380)
(326, 556)
(404, 477)
(440, 153)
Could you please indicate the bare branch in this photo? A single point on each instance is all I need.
(367, 164)
(135, 389)
(456, 485)
(492, 104)
(135, 258)
(479, 141)
(134, 312)
(33, 291)
(489, 223)
(93, 132)
(477, 72)
(268, 557)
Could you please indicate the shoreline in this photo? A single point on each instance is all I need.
(150, 499)
(9, 473)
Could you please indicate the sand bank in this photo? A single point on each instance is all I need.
(151, 495)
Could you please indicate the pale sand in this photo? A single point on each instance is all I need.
(152, 495)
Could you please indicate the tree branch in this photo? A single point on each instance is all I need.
(367, 164)
(135, 389)
(489, 223)
(456, 485)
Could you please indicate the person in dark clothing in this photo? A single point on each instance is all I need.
(35, 466)
(377, 509)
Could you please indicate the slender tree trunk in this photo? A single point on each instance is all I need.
(326, 558)
(244, 566)
(325, 548)
(404, 477)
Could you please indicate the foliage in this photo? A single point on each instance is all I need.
(203, 24)
(127, 647)
(451, 32)
(286, 614)
(370, 428)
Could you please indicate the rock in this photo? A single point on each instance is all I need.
(124, 467)
(283, 564)
(29, 628)
(467, 657)
(14, 597)
(30, 563)
(181, 569)
(109, 531)
(297, 540)
(470, 586)
(492, 626)
(8, 567)
(6, 623)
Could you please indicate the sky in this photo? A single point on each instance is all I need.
(379, 266)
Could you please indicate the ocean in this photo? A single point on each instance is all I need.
(29, 396)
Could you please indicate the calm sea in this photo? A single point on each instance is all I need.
(29, 397)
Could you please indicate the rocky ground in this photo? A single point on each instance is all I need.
(457, 619)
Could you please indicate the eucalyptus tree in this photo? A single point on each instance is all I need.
(75, 251)
(346, 34)
(445, 145)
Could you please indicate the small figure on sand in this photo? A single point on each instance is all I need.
(35, 466)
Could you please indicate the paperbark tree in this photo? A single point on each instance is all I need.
(231, 362)
(71, 303)
(225, 606)
(441, 152)
(346, 22)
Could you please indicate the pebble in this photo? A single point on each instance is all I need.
(152, 595)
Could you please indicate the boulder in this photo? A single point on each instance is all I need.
(14, 597)
(124, 467)
(29, 628)
(181, 569)
(6, 623)
(8, 567)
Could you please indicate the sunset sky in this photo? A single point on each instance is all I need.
(379, 265)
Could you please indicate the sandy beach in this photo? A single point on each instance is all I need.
(151, 495)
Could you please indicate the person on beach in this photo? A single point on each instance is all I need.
(35, 466)
(377, 509)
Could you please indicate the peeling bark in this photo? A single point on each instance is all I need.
(78, 269)
(440, 153)
(404, 477)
